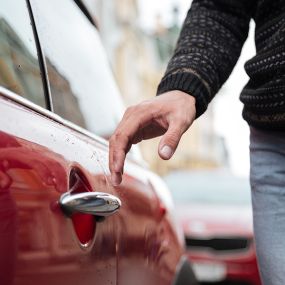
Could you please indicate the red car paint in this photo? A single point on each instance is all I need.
(214, 209)
(40, 245)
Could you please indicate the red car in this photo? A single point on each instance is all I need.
(214, 209)
(61, 221)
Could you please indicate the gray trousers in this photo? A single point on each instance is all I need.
(267, 178)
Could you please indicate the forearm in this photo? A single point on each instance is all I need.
(208, 47)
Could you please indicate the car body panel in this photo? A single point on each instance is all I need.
(37, 160)
(36, 163)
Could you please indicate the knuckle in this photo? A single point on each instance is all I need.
(139, 110)
(141, 106)
(117, 134)
(172, 138)
(130, 109)
(120, 139)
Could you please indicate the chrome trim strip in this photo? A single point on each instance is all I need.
(4, 92)
(25, 102)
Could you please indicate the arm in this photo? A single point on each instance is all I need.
(208, 48)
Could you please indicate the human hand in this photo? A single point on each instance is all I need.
(169, 114)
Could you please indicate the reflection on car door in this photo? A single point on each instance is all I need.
(40, 159)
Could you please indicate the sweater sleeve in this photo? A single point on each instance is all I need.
(208, 48)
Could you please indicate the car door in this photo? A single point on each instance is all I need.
(51, 58)
(81, 83)
(43, 157)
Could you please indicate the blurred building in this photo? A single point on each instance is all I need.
(15, 57)
(139, 59)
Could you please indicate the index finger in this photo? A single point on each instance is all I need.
(122, 140)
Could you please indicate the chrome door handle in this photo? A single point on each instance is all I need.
(93, 203)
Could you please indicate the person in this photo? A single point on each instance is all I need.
(208, 48)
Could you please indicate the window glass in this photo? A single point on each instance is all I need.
(82, 86)
(19, 66)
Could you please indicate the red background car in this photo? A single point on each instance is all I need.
(214, 208)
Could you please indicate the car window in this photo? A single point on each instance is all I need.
(82, 85)
(19, 66)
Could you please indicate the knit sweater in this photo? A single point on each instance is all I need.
(209, 46)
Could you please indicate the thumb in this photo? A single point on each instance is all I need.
(169, 142)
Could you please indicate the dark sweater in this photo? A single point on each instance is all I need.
(209, 46)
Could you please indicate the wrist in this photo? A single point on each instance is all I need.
(189, 84)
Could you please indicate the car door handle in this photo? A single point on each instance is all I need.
(93, 203)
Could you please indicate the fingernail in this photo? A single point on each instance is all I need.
(166, 151)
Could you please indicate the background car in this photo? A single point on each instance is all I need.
(214, 209)
(61, 221)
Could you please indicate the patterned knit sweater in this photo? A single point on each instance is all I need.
(209, 46)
